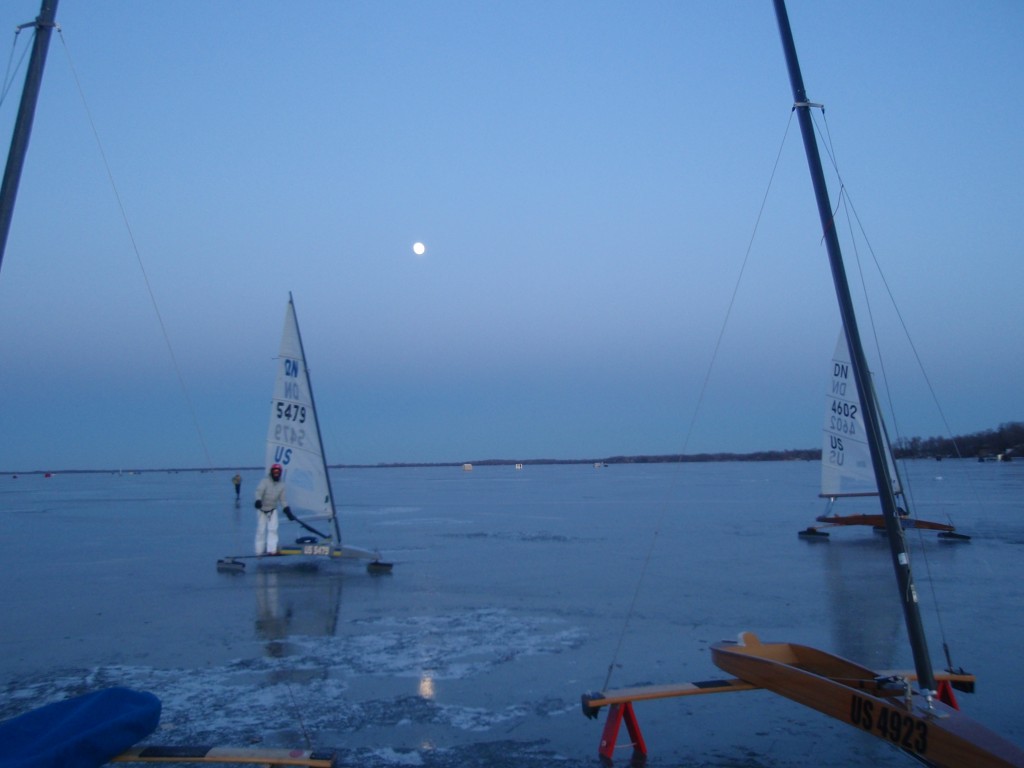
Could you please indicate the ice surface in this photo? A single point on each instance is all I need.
(513, 592)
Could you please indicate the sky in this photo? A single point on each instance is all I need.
(614, 263)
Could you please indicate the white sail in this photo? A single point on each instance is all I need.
(845, 457)
(293, 439)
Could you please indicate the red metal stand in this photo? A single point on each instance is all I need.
(616, 713)
(945, 694)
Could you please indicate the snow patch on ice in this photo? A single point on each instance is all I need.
(393, 757)
(276, 699)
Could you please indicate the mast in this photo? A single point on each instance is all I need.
(316, 421)
(872, 418)
(44, 25)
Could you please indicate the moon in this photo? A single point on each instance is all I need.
(419, 249)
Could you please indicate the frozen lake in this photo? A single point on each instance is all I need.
(513, 592)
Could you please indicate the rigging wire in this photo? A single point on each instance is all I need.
(700, 401)
(826, 139)
(298, 716)
(12, 68)
(845, 200)
(899, 315)
(135, 249)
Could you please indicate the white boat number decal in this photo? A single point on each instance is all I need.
(902, 729)
(316, 549)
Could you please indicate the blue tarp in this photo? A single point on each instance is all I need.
(83, 732)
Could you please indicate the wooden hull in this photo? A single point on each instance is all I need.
(933, 733)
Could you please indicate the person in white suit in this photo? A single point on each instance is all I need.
(270, 497)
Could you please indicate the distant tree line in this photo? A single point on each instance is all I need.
(807, 454)
(803, 454)
(1007, 440)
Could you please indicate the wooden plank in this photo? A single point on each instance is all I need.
(648, 692)
(227, 755)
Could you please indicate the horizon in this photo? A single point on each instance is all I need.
(786, 454)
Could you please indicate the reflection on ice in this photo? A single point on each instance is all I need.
(427, 686)
(299, 600)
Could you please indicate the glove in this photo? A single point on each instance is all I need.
(259, 504)
(288, 513)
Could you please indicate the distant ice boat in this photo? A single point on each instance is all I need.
(846, 469)
(294, 442)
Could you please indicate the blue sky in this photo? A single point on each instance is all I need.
(586, 177)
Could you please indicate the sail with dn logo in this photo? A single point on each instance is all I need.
(293, 437)
(294, 442)
(845, 458)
